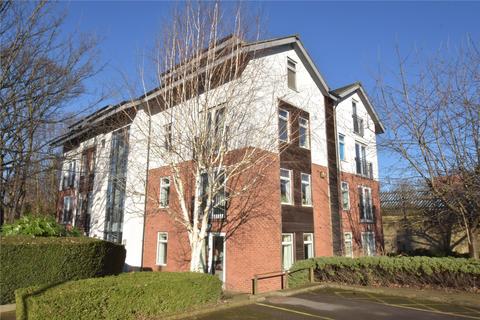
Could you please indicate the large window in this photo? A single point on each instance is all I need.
(287, 250)
(368, 243)
(162, 241)
(341, 147)
(292, 74)
(283, 127)
(361, 159)
(365, 203)
(67, 209)
(286, 186)
(306, 190)
(164, 192)
(348, 241)
(218, 205)
(116, 186)
(345, 196)
(357, 121)
(68, 179)
(304, 133)
(308, 245)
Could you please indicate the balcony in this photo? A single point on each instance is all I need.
(364, 168)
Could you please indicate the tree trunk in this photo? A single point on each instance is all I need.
(472, 243)
(196, 264)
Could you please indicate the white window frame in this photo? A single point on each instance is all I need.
(290, 184)
(292, 67)
(291, 245)
(341, 143)
(306, 126)
(311, 245)
(368, 217)
(309, 195)
(350, 241)
(162, 242)
(367, 251)
(164, 182)
(345, 188)
(287, 119)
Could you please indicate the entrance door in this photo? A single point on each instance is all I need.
(216, 255)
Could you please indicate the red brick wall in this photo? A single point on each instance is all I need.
(321, 211)
(252, 246)
(351, 218)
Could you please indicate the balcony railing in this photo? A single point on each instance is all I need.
(364, 168)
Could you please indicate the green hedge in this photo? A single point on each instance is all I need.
(28, 261)
(138, 295)
(456, 273)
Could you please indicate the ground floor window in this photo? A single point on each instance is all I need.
(287, 250)
(308, 245)
(347, 239)
(67, 209)
(162, 240)
(368, 243)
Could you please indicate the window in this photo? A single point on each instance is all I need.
(67, 209)
(116, 191)
(219, 199)
(306, 190)
(292, 74)
(361, 159)
(304, 133)
(345, 196)
(308, 245)
(368, 243)
(365, 203)
(286, 186)
(347, 239)
(283, 128)
(357, 121)
(167, 132)
(164, 192)
(162, 241)
(68, 179)
(341, 147)
(84, 165)
(287, 250)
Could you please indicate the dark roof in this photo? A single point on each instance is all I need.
(408, 199)
(348, 87)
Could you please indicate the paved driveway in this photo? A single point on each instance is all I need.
(331, 304)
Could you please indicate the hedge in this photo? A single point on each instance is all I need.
(454, 273)
(137, 295)
(28, 261)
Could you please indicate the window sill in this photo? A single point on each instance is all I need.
(306, 148)
(160, 265)
(286, 204)
(307, 205)
(163, 207)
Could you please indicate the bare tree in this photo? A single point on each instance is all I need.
(432, 110)
(211, 124)
(42, 70)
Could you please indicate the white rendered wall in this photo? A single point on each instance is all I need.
(344, 114)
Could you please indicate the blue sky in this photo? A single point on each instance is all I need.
(347, 40)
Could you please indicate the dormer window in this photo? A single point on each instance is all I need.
(292, 74)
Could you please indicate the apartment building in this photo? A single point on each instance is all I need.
(319, 193)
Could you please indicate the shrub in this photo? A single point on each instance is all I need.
(27, 261)
(456, 273)
(38, 226)
(136, 295)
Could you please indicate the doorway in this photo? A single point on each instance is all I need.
(216, 255)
